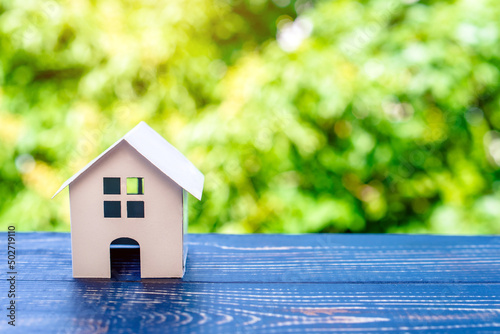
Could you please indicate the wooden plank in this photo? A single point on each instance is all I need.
(267, 284)
(91, 306)
(292, 258)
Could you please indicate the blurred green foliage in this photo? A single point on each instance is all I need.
(327, 116)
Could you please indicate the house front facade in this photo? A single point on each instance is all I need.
(123, 194)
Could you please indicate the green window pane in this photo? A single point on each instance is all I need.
(135, 186)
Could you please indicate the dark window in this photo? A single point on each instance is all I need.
(112, 209)
(135, 186)
(111, 185)
(135, 209)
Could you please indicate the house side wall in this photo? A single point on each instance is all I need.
(184, 226)
(159, 233)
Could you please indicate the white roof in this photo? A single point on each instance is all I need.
(161, 154)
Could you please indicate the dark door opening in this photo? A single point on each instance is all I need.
(125, 260)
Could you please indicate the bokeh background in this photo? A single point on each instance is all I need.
(304, 116)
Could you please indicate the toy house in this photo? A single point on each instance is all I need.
(135, 189)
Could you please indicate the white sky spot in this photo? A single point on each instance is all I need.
(51, 9)
(416, 53)
(374, 69)
(398, 112)
(494, 150)
(491, 142)
(467, 33)
(217, 68)
(25, 163)
(291, 36)
(490, 205)
(302, 5)
(489, 34)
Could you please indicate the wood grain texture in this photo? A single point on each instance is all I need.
(268, 284)
(134, 307)
(305, 258)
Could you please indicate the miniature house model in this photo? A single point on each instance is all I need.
(135, 189)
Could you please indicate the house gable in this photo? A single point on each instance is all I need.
(158, 152)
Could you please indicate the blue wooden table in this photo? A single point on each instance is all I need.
(265, 284)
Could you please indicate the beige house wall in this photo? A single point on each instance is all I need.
(159, 233)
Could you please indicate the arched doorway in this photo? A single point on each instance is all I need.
(125, 258)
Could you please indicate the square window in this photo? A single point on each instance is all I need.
(111, 185)
(112, 209)
(135, 209)
(135, 186)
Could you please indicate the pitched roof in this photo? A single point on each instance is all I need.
(161, 154)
